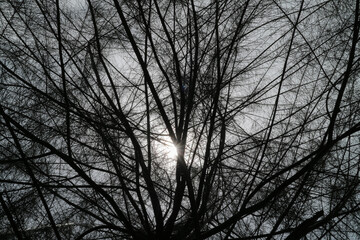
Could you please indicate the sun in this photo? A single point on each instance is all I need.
(172, 151)
(167, 151)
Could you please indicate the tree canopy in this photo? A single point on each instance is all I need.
(179, 119)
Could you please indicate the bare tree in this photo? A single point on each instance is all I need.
(179, 119)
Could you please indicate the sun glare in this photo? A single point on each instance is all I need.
(172, 151)
(167, 152)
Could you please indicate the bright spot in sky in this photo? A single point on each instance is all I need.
(166, 152)
(172, 151)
